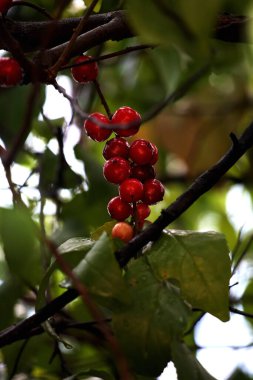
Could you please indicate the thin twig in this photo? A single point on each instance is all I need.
(240, 312)
(130, 49)
(120, 359)
(25, 128)
(242, 255)
(102, 98)
(17, 360)
(65, 53)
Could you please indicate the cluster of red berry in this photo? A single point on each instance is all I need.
(129, 166)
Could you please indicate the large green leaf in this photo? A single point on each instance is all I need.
(188, 367)
(179, 23)
(21, 245)
(72, 251)
(199, 262)
(155, 317)
(100, 272)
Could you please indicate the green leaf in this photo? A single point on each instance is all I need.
(188, 367)
(155, 317)
(73, 251)
(10, 290)
(199, 262)
(56, 174)
(100, 272)
(21, 246)
(107, 227)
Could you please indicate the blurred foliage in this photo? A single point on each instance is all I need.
(148, 302)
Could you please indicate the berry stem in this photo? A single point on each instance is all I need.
(134, 219)
(102, 98)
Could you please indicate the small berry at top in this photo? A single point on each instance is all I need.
(126, 116)
(84, 73)
(94, 130)
(11, 73)
(5, 5)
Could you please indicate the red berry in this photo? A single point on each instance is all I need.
(142, 172)
(119, 209)
(10, 72)
(84, 73)
(153, 191)
(124, 116)
(116, 147)
(5, 5)
(155, 154)
(123, 231)
(141, 152)
(95, 131)
(131, 190)
(142, 211)
(116, 170)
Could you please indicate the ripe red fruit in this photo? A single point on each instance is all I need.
(142, 172)
(142, 211)
(124, 116)
(119, 209)
(116, 147)
(131, 190)
(153, 191)
(5, 5)
(141, 152)
(84, 73)
(116, 170)
(155, 154)
(123, 231)
(10, 72)
(96, 132)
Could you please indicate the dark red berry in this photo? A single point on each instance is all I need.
(5, 5)
(153, 191)
(155, 154)
(142, 211)
(142, 172)
(142, 152)
(116, 170)
(84, 73)
(10, 72)
(123, 231)
(116, 147)
(119, 209)
(95, 131)
(131, 190)
(126, 116)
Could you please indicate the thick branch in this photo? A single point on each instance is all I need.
(30, 35)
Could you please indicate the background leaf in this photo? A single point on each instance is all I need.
(155, 316)
(21, 246)
(188, 367)
(199, 262)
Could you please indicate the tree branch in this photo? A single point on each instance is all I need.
(30, 35)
